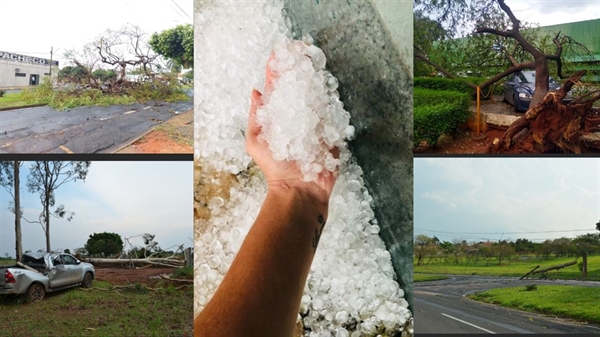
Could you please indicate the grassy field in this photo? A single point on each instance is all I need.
(580, 303)
(423, 277)
(165, 309)
(12, 100)
(513, 268)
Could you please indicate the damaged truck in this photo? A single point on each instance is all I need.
(40, 273)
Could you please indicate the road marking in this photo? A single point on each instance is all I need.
(66, 150)
(476, 317)
(148, 107)
(467, 323)
(128, 112)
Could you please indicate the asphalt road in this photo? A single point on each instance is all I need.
(440, 307)
(81, 130)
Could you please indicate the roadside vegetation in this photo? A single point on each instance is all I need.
(158, 309)
(576, 302)
(9, 100)
(121, 66)
(509, 258)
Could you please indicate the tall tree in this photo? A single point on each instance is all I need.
(45, 177)
(9, 179)
(494, 17)
(176, 44)
(127, 46)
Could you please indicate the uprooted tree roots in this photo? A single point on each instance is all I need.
(555, 127)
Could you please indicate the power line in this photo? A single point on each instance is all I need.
(173, 8)
(184, 12)
(181, 9)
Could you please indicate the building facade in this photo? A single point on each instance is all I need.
(21, 71)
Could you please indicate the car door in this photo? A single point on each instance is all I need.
(74, 274)
(64, 271)
(58, 273)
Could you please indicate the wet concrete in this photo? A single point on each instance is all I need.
(90, 129)
(371, 57)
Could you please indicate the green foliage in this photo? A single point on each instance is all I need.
(531, 287)
(160, 90)
(2, 92)
(575, 302)
(72, 73)
(437, 113)
(104, 75)
(185, 272)
(442, 83)
(430, 97)
(104, 243)
(176, 44)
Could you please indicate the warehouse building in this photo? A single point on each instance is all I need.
(21, 71)
(587, 33)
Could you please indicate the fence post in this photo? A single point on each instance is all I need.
(189, 257)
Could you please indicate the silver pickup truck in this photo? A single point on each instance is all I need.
(39, 273)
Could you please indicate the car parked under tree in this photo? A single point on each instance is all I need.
(519, 87)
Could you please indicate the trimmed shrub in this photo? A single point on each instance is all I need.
(432, 97)
(432, 121)
(459, 84)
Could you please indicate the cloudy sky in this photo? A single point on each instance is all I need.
(127, 198)
(552, 12)
(32, 27)
(506, 198)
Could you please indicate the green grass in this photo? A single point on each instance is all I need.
(12, 100)
(512, 268)
(580, 303)
(164, 310)
(62, 99)
(423, 278)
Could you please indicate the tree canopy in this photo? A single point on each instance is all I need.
(45, 177)
(497, 45)
(175, 44)
(104, 243)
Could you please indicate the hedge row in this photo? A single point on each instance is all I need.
(432, 121)
(432, 97)
(460, 84)
(438, 112)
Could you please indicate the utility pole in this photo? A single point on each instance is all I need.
(51, 51)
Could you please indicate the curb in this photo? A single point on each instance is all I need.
(22, 107)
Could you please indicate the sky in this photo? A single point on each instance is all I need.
(552, 12)
(479, 199)
(33, 27)
(127, 198)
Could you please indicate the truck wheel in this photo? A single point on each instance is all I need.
(87, 280)
(35, 293)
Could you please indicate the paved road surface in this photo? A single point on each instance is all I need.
(440, 307)
(81, 130)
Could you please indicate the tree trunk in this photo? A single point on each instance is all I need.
(47, 220)
(18, 239)
(553, 126)
(542, 76)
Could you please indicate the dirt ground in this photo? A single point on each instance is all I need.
(466, 141)
(125, 275)
(174, 136)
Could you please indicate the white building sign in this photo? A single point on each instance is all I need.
(25, 59)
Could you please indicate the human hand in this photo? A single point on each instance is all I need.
(283, 174)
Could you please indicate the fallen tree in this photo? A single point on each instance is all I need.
(557, 267)
(553, 126)
(165, 262)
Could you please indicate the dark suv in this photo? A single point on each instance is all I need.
(519, 88)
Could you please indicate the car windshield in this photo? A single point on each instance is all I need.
(529, 77)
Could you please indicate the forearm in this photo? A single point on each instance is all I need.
(272, 266)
